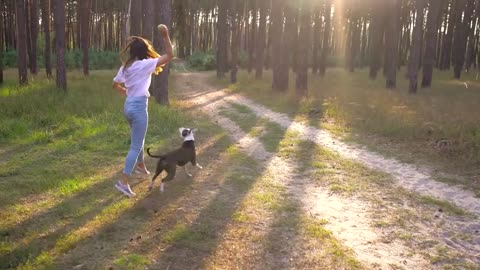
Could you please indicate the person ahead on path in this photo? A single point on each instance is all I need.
(133, 80)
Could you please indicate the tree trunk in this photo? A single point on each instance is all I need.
(391, 38)
(260, 50)
(316, 38)
(46, 31)
(433, 20)
(377, 28)
(268, 50)
(10, 26)
(461, 30)
(2, 32)
(85, 35)
(222, 39)
(447, 43)
(21, 42)
(147, 27)
(34, 14)
(291, 31)
(253, 33)
(416, 47)
(470, 60)
(60, 43)
(163, 15)
(363, 51)
(234, 17)
(29, 33)
(301, 82)
(136, 18)
(354, 42)
(279, 47)
(326, 38)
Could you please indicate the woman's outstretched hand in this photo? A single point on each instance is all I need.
(163, 29)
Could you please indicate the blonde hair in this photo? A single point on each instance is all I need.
(139, 48)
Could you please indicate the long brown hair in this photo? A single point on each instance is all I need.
(139, 49)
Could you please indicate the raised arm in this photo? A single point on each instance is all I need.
(168, 46)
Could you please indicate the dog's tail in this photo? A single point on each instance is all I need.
(160, 156)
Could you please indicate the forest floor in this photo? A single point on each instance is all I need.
(390, 214)
(275, 193)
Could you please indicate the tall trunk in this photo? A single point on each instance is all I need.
(316, 38)
(433, 20)
(181, 27)
(301, 83)
(470, 60)
(295, 38)
(442, 34)
(78, 30)
(269, 44)
(136, 18)
(21, 42)
(461, 30)
(377, 27)
(2, 32)
(391, 38)
(291, 31)
(60, 43)
(147, 27)
(222, 39)
(189, 34)
(326, 38)
(253, 33)
(34, 14)
(447, 43)
(354, 41)
(279, 46)
(85, 35)
(363, 51)
(234, 18)
(46, 31)
(10, 26)
(163, 15)
(416, 47)
(260, 46)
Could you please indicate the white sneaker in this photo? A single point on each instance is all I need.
(130, 190)
(141, 171)
(125, 189)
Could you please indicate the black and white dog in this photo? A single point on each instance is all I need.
(180, 157)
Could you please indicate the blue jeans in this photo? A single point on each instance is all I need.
(136, 112)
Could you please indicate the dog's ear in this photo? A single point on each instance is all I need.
(181, 131)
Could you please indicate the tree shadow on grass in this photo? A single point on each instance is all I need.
(24, 242)
(138, 221)
(43, 229)
(190, 244)
(42, 168)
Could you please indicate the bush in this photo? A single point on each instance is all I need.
(73, 59)
(10, 59)
(202, 60)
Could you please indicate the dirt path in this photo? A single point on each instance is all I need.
(350, 219)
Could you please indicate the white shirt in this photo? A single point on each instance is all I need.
(137, 77)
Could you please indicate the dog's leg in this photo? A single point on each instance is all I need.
(162, 188)
(185, 168)
(198, 165)
(171, 170)
(150, 187)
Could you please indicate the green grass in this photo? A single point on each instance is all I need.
(132, 262)
(54, 141)
(443, 205)
(389, 121)
(58, 154)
